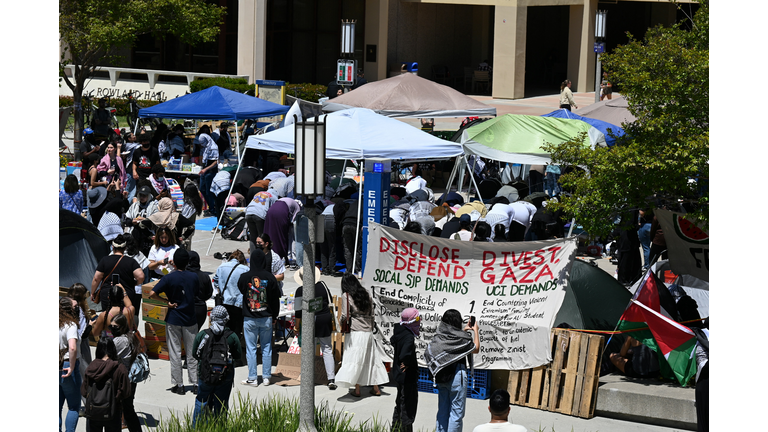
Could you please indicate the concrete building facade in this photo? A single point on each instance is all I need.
(532, 45)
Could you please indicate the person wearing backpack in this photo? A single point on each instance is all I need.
(128, 345)
(216, 349)
(104, 386)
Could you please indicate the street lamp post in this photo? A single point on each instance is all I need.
(309, 139)
(599, 47)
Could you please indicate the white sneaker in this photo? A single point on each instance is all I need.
(253, 383)
(265, 382)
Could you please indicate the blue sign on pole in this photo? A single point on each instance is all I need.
(375, 203)
(599, 47)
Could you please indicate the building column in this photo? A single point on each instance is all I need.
(376, 33)
(581, 41)
(252, 39)
(510, 25)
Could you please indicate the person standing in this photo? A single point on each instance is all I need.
(214, 398)
(362, 364)
(128, 344)
(448, 355)
(606, 87)
(498, 406)
(351, 224)
(644, 234)
(225, 282)
(180, 287)
(405, 369)
(69, 365)
(261, 305)
(566, 96)
(106, 366)
(128, 271)
(328, 246)
(205, 289)
(131, 145)
(323, 325)
(274, 263)
(210, 159)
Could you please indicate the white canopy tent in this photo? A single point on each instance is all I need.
(359, 133)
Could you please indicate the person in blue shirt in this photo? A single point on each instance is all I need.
(180, 287)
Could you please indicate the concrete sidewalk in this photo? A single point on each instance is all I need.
(155, 401)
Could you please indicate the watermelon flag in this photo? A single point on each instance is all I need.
(676, 342)
(656, 333)
(687, 244)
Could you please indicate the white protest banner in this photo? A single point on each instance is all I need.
(514, 289)
(687, 244)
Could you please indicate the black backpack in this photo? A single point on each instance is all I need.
(100, 402)
(234, 228)
(215, 361)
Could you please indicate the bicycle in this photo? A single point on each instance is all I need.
(133, 115)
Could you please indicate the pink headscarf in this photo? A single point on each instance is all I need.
(410, 319)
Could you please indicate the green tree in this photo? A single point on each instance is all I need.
(664, 155)
(92, 32)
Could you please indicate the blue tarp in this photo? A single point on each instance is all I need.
(600, 125)
(215, 103)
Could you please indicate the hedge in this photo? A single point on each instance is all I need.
(306, 91)
(121, 104)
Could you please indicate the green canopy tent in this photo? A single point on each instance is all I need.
(518, 138)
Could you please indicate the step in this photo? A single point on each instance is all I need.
(646, 401)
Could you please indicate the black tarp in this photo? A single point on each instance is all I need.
(81, 247)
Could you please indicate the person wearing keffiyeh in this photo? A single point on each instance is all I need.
(447, 355)
(215, 398)
(405, 369)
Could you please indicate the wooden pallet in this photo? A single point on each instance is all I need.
(568, 384)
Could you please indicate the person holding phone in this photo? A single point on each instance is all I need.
(114, 269)
(448, 355)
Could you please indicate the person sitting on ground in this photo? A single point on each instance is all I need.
(636, 360)
(193, 206)
(71, 197)
(174, 143)
(144, 207)
(498, 406)
(158, 183)
(111, 166)
(166, 216)
(110, 225)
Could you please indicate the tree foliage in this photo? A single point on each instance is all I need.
(92, 32)
(664, 156)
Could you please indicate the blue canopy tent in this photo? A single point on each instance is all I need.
(215, 103)
(600, 125)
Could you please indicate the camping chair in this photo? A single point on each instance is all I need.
(481, 77)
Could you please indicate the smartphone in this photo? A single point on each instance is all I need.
(115, 279)
(472, 321)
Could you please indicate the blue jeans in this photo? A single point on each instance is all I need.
(550, 184)
(130, 186)
(212, 399)
(206, 180)
(260, 328)
(69, 390)
(452, 402)
(644, 235)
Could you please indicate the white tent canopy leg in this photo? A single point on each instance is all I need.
(224, 209)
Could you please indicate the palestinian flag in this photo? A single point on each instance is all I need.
(675, 341)
(644, 321)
